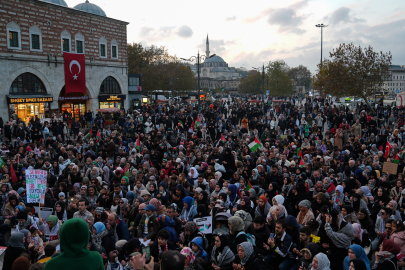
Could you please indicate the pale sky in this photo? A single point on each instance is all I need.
(248, 33)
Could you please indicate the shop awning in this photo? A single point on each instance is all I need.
(40, 98)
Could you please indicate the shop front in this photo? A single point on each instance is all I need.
(28, 107)
(111, 101)
(75, 106)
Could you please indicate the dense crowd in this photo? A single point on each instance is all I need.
(305, 184)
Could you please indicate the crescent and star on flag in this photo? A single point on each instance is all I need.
(74, 62)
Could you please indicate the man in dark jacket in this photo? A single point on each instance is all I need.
(116, 225)
(110, 149)
(280, 248)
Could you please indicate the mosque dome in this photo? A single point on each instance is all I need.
(58, 2)
(89, 7)
(214, 59)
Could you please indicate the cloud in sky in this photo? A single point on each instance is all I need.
(184, 31)
(248, 35)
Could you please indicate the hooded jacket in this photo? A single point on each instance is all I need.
(202, 253)
(168, 224)
(74, 252)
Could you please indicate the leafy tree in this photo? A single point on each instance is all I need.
(251, 84)
(352, 71)
(279, 82)
(301, 75)
(159, 69)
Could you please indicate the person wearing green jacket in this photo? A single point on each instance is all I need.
(74, 237)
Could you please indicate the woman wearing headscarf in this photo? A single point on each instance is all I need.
(97, 234)
(339, 198)
(319, 201)
(305, 213)
(280, 200)
(246, 258)
(320, 262)
(380, 200)
(203, 198)
(253, 196)
(160, 209)
(263, 207)
(361, 237)
(358, 264)
(60, 211)
(236, 227)
(221, 254)
(14, 250)
(192, 176)
(386, 258)
(272, 191)
(298, 195)
(233, 195)
(190, 259)
(246, 205)
(348, 214)
(189, 210)
(227, 159)
(355, 252)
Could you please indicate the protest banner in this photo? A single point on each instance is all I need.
(391, 168)
(204, 224)
(36, 185)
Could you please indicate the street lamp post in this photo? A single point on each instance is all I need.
(262, 77)
(193, 58)
(321, 25)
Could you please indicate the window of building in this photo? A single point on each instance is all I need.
(65, 41)
(35, 39)
(114, 49)
(79, 38)
(110, 86)
(102, 46)
(14, 36)
(27, 83)
(133, 81)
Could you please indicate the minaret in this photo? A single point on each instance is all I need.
(207, 48)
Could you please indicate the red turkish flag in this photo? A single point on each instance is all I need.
(75, 73)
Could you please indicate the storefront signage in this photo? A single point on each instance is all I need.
(73, 98)
(112, 98)
(29, 100)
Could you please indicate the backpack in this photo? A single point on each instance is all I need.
(250, 238)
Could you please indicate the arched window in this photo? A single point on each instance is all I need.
(14, 36)
(114, 49)
(27, 83)
(79, 43)
(110, 86)
(35, 39)
(102, 47)
(65, 39)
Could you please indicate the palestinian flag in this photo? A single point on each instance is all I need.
(180, 124)
(197, 122)
(299, 153)
(138, 144)
(87, 137)
(98, 136)
(255, 145)
(2, 163)
(13, 175)
(223, 138)
(302, 164)
(396, 159)
(248, 186)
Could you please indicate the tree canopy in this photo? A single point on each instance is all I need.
(159, 69)
(352, 71)
(251, 84)
(279, 83)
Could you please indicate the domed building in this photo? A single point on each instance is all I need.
(58, 2)
(215, 73)
(89, 7)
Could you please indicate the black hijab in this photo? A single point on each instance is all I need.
(225, 242)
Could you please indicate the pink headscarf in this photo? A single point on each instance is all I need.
(358, 230)
(189, 255)
(156, 203)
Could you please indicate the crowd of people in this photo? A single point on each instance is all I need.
(306, 184)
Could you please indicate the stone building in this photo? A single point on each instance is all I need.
(33, 36)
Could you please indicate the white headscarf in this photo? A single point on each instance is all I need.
(279, 199)
(195, 175)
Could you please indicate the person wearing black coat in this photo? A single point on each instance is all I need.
(227, 159)
(14, 250)
(261, 232)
